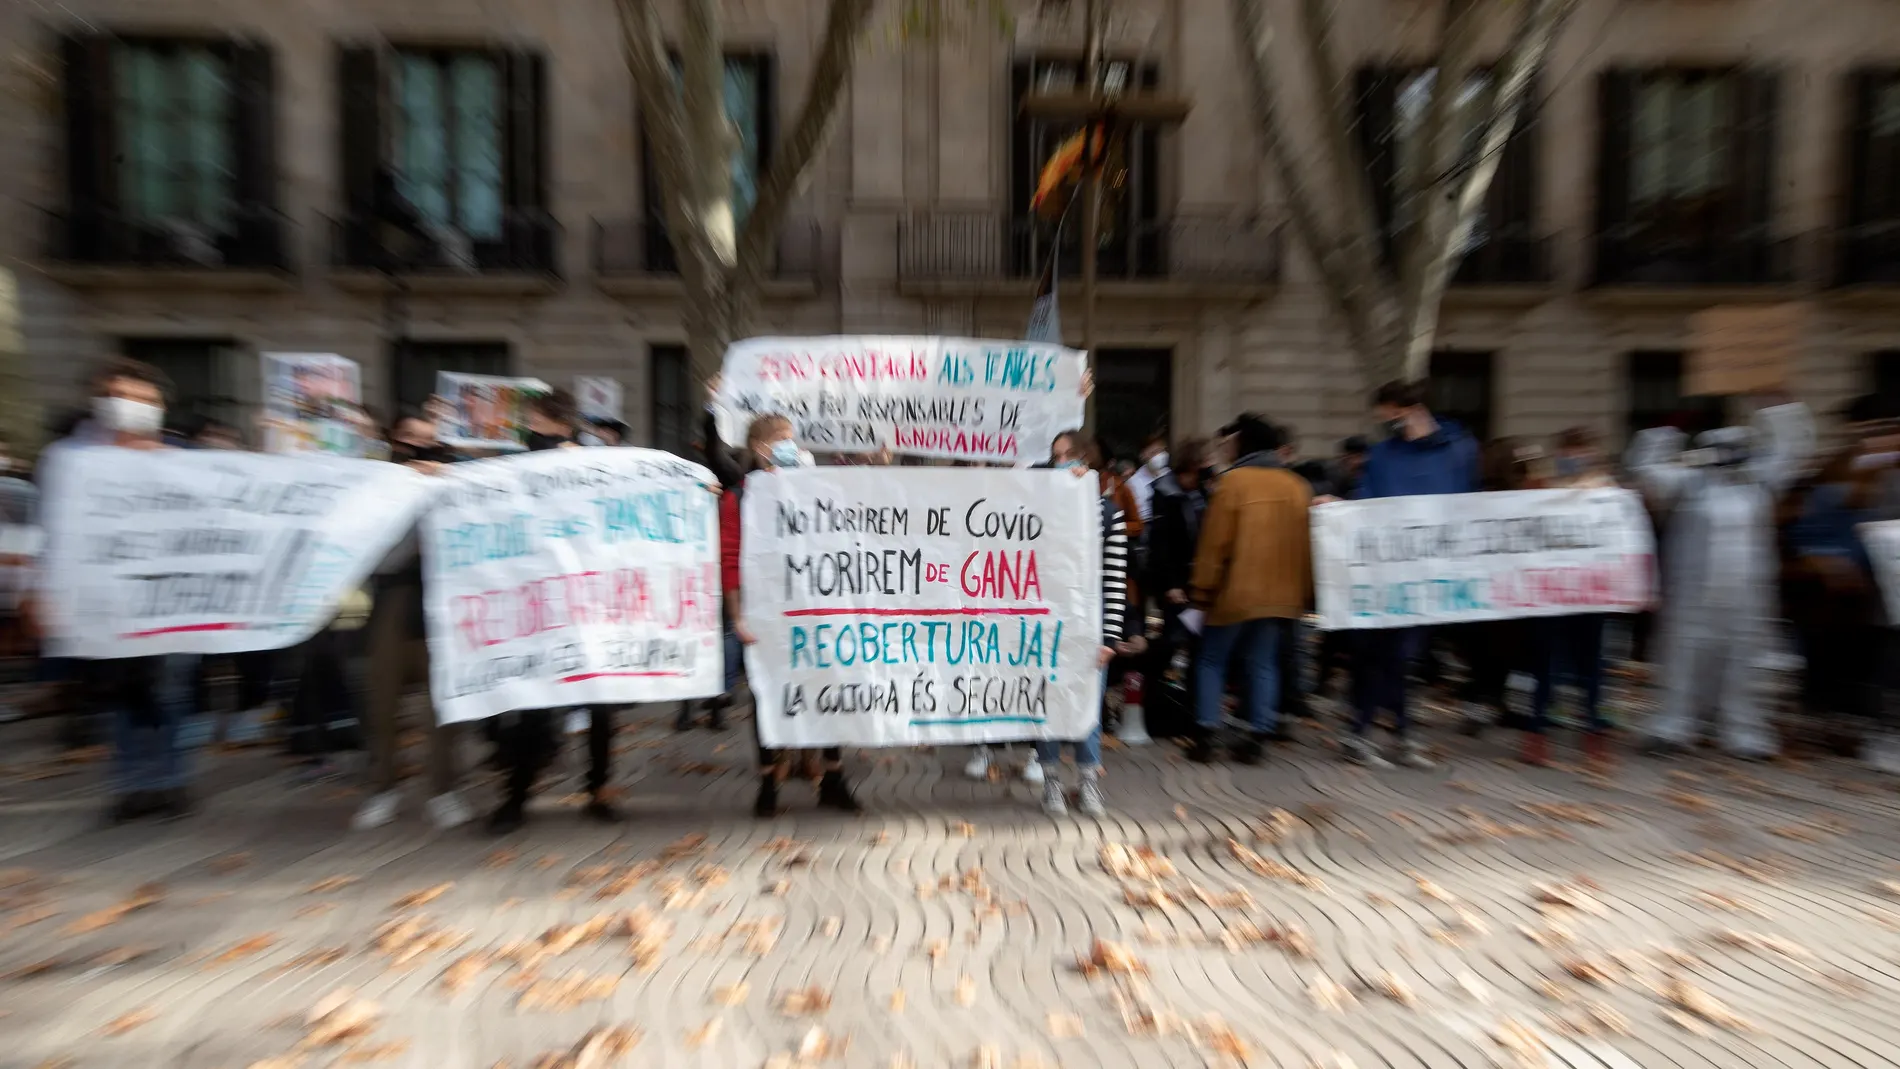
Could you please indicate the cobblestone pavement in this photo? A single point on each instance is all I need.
(1298, 914)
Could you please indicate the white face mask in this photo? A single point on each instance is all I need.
(1158, 463)
(126, 416)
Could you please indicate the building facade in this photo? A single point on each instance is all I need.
(192, 182)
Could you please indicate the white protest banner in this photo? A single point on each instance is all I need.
(958, 398)
(572, 577)
(211, 551)
(485, 411)
(1457, 558)
(915, 606)
(313, 403)
(1883, 548)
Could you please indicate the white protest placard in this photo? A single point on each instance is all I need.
(915, 606)
(485, 411)
(955, 398)
(597, 397)
(572, 577)
(1883, 548)
(211, 551)
(1459, 558)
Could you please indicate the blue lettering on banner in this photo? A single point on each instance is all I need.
(469, 544)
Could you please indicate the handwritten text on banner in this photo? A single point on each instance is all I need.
(203, 551)
(1407, 561)
(960, 398)
(572, 577)
(906, 606)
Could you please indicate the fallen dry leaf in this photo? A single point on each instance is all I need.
(143, 897)
(1112, 958)
(256, 944)
(126, 1022)
(1064, 1026)
(340, 1016)
(380, 1052)
(1328, 995)
(1388, 984)
(804, 1002)
(966, 991)
(731, 995)
(328, 884)
(1694, 1000)
(897, 1001)
(225, 863)
(418, 899)
(703, 1035)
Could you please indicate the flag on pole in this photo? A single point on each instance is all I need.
(1045, 317)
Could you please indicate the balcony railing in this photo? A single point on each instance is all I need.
(1505, 259)
(253, 239)
(978, 247)
(1635, 256)
(528, 242)
(1869, 254)
(634, 248)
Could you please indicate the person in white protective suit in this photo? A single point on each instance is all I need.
(1719, 587)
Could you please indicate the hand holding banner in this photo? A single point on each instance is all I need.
(955, 398)
(1457, 558)
(907, 606)
(572, 577)
(189, 551)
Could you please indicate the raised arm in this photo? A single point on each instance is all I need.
(1784, 440)
(1655, 463)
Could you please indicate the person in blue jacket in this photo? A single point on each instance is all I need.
(1419, 455)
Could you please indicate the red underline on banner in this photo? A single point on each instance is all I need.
(183, 629)
(585, 676)
(918, 612)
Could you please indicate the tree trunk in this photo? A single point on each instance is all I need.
(20, 418)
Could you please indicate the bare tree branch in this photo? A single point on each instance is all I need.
(663, 120)
(702, 81)
(1350, 292)
(792, 158)
(1346, 159)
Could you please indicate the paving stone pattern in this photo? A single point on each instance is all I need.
(1303, 913)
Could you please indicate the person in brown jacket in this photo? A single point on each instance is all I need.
(1253, 569)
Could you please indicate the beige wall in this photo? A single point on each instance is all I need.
(927, 126)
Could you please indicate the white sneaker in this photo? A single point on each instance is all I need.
(376, 811)
(447, 810)
(979, 766)
(1413, 755)
(1360, 751)
(1032, 772)
(1089, 801)
(1053, 803)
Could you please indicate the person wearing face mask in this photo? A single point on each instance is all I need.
(147, 698)
(1720, 571)
(770, 447)
(1154, 465)
(1420, 454)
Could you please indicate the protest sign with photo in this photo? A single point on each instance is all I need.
(914, 606)
(1883, 549)
(211, 551)
(484, 411)
(596, 397)
(572, 577)
(955, 398)
(1458, 558)
(313, 403)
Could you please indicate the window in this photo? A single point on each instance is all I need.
(749, 85)
(1884, 370)
(1656, 400)
(205, 378)
(1461, 389)
(417, 362)
(1685, 177)
(1501, 246)
(1871, 244)
(670, 400)
(169, 152)
(1131, 238)
(448, 148)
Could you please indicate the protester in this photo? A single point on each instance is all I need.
(1252, 569)
(1180, 502)
(770, 447)
(603, 430)
(1572, 646)
(1153, 468)
(1493, 649)
(1719, 616)
(399, 657)
(1419, 455)
(1349, 467)
(525, 739)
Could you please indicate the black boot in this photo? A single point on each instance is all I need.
(1250, 750)
(684, 721)
(834, 793)
(716, 713)
(130, 807)
(599, 808)
(767, 805)
(509, 818)
(1203, 751)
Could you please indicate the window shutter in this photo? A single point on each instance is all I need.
(1863, 199)
(1758, 95)
(1378, 94)
(768, 110)
(255, 85)
(527, 133)
(1023, 162)
(1514, 188)
(359, 81)
(91, 194)
(1616, 97)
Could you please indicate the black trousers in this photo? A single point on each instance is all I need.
(323, 696)
(527, 741)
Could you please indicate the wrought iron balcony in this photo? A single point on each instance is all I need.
(976, 247)
(252, 239)
(1506, 258)
(1649, 256)
(1869, 254)
(527, 243)
(640, 248)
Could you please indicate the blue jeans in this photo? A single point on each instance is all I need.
(146, 753)
(734, 651)
(1258, 642)
(1573, 646)
(1088, 751)
(1381, 660)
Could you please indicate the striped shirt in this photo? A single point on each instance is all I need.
(1114, 574)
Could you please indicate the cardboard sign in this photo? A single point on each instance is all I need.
(485, 411)
(1738, 349)
(910, 606)
(1460, 558)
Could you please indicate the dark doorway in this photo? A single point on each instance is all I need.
(1134, 394)
(1463, 386)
